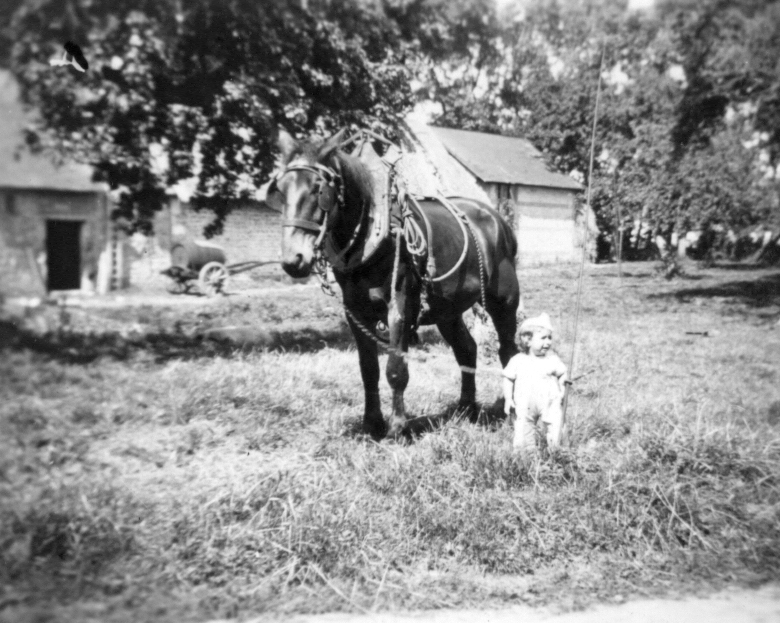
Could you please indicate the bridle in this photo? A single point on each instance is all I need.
(329, 186)
(330, 190)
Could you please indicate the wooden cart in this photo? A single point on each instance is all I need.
(204, 264)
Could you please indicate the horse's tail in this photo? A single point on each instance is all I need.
(509, 237)
(512, 241)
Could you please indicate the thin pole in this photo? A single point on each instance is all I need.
(619, 240)
(587, 234)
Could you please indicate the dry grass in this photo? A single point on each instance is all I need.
(162, 477)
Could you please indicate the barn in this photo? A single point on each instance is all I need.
(510, 173)
(55, 232)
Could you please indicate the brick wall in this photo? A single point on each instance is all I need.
(252, 231)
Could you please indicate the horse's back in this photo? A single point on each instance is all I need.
(491, 220)
(448, 238)
(496, 236)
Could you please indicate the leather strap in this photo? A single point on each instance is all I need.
(301, 224)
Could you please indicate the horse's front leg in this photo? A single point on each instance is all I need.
(398, 320)
(373, 421)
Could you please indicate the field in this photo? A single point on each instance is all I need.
(150, 474)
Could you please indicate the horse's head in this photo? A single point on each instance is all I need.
(307, 189)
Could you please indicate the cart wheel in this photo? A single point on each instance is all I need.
(213, 278)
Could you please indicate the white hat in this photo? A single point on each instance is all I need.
(542, 321)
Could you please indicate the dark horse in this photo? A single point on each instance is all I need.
(327, 197)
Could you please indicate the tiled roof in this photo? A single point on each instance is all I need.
(501, 159)
(21, 169)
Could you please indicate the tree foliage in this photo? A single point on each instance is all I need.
(183, 89)
(689, 113)
(688, 131)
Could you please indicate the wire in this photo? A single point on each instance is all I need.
(587, 231)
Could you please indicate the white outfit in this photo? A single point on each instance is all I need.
(537, 394)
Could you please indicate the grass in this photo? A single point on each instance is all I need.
(156, 476)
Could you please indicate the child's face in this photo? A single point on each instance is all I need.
(540, 342)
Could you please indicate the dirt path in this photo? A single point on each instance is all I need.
(731, 606)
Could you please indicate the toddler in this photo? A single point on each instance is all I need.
(534, 385)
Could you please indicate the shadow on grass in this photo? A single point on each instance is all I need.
(82, 348)
(489, 416)
(759, 292)
(738, 267)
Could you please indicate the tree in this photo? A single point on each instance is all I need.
(181, 89)
(727, 127)
(455, 50)
(677, 84)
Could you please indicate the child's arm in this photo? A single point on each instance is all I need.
(562, 381)
(561, 374)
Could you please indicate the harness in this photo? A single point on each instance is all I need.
(330, 188)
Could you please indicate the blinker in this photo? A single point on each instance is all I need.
(327, 197)
(274, 198)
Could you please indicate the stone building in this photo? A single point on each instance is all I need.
(55, 233)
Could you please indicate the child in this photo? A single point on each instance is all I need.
(534, 385)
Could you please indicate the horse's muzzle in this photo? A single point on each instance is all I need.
(297, 267)
(297, 252)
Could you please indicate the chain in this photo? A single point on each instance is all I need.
(369, 333)
(321, 270)
(479, 260)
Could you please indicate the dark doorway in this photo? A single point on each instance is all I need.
(63, 254)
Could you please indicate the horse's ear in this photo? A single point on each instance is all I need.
(332, 144)
(286, 144)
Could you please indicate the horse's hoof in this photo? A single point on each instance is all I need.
(376, 431)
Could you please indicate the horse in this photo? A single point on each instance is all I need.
(326, 197)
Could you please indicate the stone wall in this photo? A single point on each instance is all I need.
(23, 253)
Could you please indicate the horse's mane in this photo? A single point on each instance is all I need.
(356, 175)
